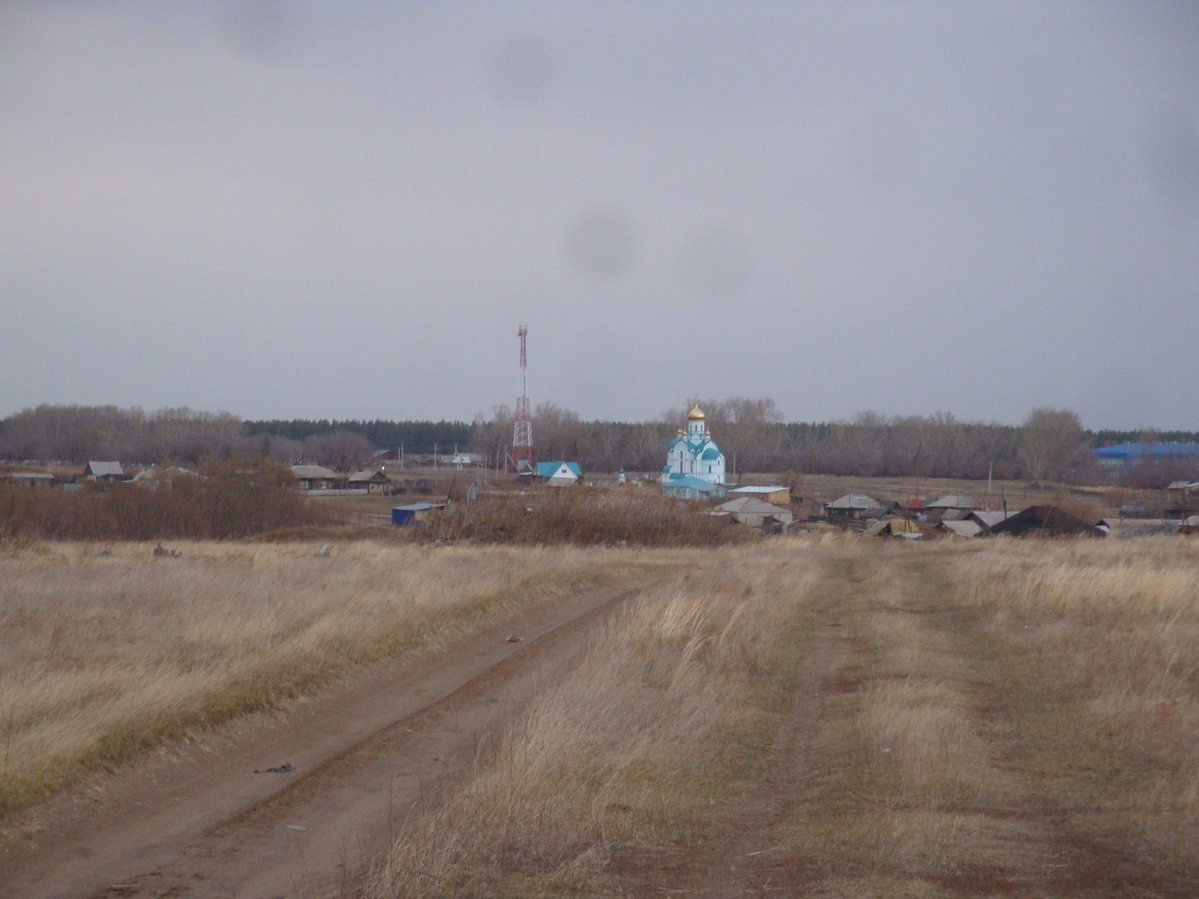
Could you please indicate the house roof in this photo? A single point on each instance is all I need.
(1044, 519)
(419, 507)
(953, 501)
(990, 519)
(361, 477)
(753, 489)
(964, 528)
(750, 505)
(105, 469)
(313, 472)
(854, 501)
(552, 469)
(692, 482)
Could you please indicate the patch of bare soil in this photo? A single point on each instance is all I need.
(297, 803)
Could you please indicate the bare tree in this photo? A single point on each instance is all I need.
(1051, 441)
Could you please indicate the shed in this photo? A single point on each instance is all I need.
(413, 513)
(855, 506)
(770, 494)
(690, 487)
(960, 528)
(32, 479)
(754, 512)
(559, 474)
(104, 471)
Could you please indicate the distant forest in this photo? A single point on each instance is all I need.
(1050, 445)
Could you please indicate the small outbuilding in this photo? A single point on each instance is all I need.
(855, 506)
(755, 512)
(690, 487)
(559, 474)
(413, 513)
(104, 472)
(769, 494)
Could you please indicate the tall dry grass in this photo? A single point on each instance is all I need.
(582, 517)
(1103, 643)
(106, 651)
(670, 712)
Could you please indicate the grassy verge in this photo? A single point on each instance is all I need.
(108, 651)
(671, 714)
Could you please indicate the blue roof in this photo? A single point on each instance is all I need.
(712, 453)
(694, 483)
(549, 469)
(1152, 450)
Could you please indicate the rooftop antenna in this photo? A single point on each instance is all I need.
(522, 429)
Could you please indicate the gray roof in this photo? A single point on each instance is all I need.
(991, 518)
(963, 528)
(105, 469)
(854, 501)
(757, 489)
(750, 505)
(951, 502)
(313, 472)
(359, 477)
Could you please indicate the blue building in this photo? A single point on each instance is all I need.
(694, 453)
(1123, 454)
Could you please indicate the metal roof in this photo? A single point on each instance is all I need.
(313, 472)
(552, 469)
(964, 528)
(750, 504)
(854, 501)
(692, 482)
(105, 469)
(953, 501)
(1155, 450)
(753, 489)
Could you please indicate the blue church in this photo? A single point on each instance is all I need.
(694, 454)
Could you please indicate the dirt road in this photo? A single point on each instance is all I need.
(200, 822)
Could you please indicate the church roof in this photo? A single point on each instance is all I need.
(711, 453)
(696, 414)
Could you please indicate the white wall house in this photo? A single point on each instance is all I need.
(694, 453)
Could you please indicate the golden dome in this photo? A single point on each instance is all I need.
(695, 414)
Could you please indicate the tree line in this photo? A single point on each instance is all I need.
(1049, 445)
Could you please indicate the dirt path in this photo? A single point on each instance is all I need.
(901, 770)
(198, 821)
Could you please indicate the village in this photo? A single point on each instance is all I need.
(695, 474)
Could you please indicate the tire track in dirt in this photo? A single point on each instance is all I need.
(901, 770)
(199, 821)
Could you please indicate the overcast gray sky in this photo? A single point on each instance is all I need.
(346, 209)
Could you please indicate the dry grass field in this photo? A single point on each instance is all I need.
(107, 649)
(832, 717)
(821, 716)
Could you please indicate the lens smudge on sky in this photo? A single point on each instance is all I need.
(289, 208)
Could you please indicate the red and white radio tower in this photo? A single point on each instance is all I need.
(522, 430)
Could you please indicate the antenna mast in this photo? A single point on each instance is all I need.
(522, 430)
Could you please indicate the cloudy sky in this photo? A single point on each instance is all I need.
(302, 209)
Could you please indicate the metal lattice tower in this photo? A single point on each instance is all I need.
(522, 430)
